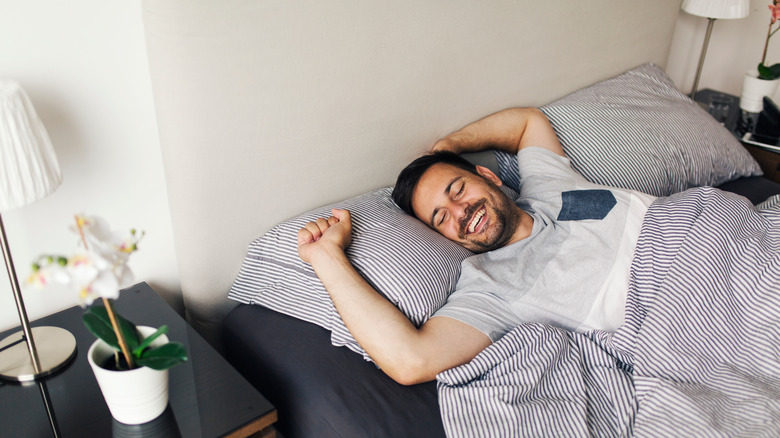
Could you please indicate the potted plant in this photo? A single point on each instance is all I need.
(764, 80)
(130, 362)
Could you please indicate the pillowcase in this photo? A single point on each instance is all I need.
(411, 265)
(638, 131)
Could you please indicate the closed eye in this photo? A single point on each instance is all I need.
(460, 190)
(441, 216)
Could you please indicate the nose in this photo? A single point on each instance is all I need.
(459, 210)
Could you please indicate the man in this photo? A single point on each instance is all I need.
(560, 256)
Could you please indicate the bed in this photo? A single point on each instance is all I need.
(270, 112)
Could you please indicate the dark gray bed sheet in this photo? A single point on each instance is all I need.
(320, 390)
(755, 188)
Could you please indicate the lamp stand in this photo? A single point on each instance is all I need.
(706, 43)
(22, 361)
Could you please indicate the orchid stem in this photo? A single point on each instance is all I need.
(81, 232)
(119, 337)
(770, 32)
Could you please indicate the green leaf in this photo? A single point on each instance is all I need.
(146, 342)
(763, 71)
(100, 329)
(769, 73)
(97, 321)
(164, 356)
(159, 358)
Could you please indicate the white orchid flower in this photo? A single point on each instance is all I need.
(49, 271)
(93, 277)
(98, 237)
(98, 270)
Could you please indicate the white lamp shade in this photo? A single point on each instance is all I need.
(28, 164)
(720, 9)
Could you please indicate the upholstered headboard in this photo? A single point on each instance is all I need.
(269, 108)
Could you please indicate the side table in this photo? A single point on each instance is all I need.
(768, 159)
(207, 396)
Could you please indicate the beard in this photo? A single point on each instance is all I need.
(505, 221)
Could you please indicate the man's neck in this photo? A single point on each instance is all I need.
(524, 226)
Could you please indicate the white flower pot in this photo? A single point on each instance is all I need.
(134, 396)
(754, 90)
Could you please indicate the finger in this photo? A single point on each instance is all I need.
(445, 145)
(438, 146)
(341, 214)
(314, 229)
(333, 220)
(304, 236)
(344, 217)
(323, 224)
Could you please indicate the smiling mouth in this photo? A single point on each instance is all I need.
(476, 220)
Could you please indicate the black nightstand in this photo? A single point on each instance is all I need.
(767, 158)
(207, 396)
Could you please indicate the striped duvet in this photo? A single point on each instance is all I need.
(699, 354)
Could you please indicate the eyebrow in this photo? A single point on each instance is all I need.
(447, 193)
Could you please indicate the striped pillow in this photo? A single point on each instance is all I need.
(410, 264)
(638, 131)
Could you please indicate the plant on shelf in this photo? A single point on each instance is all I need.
(96, 271)
(770, 72)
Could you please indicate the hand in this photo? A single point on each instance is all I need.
(445, 144)
(323, 235)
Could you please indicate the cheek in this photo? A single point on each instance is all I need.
(451, 230)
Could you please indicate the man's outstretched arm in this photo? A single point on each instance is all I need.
(508, 130)
(405, 353)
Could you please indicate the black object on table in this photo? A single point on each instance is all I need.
(732, 120)
(741, 123)
(207, 396)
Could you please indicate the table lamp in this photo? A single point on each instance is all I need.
(28, 172)
(713, 10)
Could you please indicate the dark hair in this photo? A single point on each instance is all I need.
(410, 176)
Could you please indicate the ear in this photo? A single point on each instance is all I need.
(489, 175)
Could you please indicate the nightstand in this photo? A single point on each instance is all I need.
(768, 159)
(207, 396)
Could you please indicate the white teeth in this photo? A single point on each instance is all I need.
(477, 217)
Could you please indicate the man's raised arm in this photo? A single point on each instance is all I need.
(508, 130)
(405, 353)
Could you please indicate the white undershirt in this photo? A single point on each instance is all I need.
(608, 311)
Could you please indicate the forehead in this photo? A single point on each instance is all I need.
(432, 187)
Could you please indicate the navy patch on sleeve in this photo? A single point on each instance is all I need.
(580, 205)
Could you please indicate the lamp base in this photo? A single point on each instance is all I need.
(56, 347)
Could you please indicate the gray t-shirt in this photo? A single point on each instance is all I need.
(571, 271)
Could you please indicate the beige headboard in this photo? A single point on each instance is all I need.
(269, 108)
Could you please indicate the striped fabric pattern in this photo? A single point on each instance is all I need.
(411, 265)
(637, 131)
(698, 355)
(771, 202)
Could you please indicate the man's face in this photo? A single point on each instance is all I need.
(466, 208)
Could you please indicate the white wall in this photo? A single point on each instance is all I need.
(84, 66)
(735, 47)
